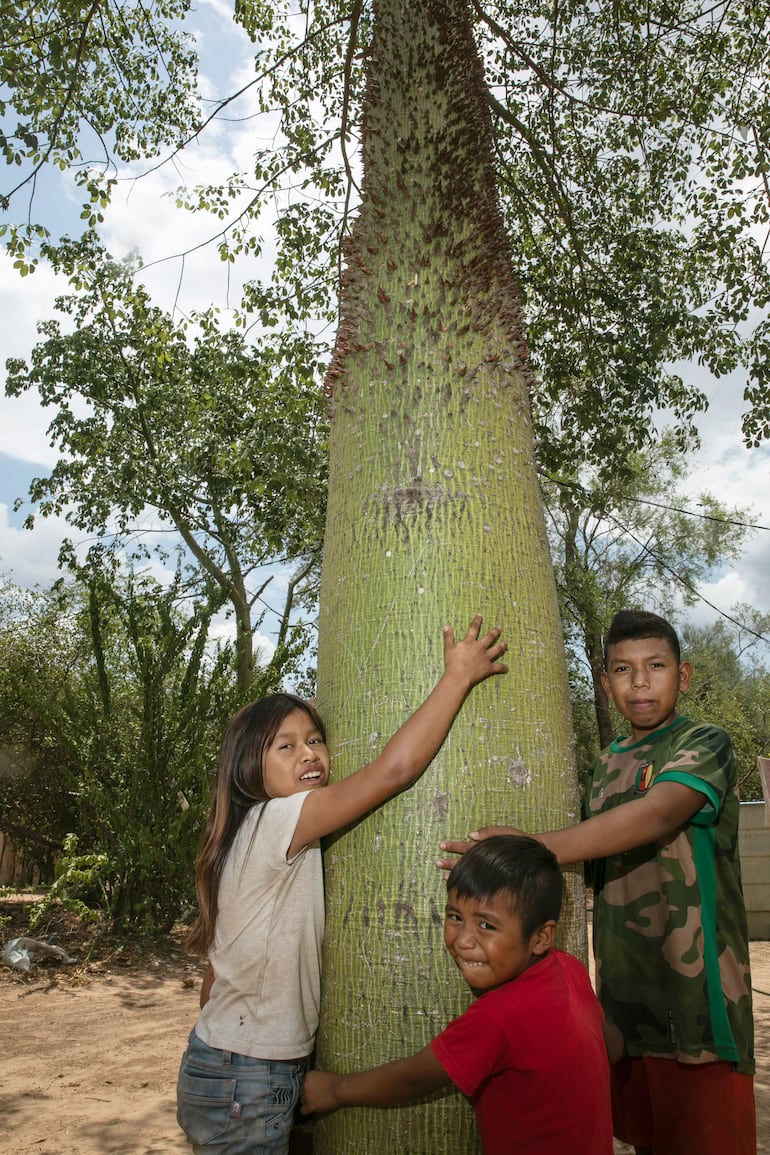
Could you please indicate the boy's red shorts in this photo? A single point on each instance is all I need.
(684, 1109)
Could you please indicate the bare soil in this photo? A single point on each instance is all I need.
(91, 1051)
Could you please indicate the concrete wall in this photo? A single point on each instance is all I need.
(754, 845)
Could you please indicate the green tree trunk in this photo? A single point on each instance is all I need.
(434, 512)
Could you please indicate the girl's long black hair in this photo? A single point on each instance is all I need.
(239, 786)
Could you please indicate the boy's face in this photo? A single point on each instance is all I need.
(486, 942)
(644, 680)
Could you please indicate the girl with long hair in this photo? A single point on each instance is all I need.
(261, 904)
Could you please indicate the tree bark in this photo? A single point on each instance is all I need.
(434, 513)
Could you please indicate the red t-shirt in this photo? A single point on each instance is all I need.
(531, 1057)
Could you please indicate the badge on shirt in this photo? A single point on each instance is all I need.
(644, 776)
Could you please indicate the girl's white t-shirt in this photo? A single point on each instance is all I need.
(267, 948)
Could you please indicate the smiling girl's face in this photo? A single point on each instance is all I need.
(297, 759)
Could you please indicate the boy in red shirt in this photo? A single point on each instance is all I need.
(529, 1052)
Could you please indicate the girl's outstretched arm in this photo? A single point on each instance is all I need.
(390, 1085)
(412, 748)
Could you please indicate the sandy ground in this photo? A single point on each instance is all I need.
(90, 1053)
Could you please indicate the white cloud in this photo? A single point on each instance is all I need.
(29, 558)
(24, 301)
(224, 631)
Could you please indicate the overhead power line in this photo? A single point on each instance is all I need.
(694, 513)
(591, 502)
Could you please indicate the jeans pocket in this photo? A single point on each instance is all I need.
(203, 1106)
(281, 1103)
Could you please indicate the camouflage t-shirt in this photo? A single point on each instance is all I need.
(670, 933)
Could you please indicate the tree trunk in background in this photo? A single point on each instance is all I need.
(434, 512)
(595, 654)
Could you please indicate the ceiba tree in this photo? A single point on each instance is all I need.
(434, 512)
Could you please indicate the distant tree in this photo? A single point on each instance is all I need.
(38, 775)
(110, 734)
(144, 720)
(731, 686)
(636, 540)
(195, 430)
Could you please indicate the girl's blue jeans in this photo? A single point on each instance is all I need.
(237, 1105)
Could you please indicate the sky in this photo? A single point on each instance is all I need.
(143, 216)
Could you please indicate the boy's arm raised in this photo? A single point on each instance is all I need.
(390, 1085)
(653, 818)
(413, 747)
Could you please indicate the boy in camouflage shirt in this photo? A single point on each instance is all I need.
(670, 934)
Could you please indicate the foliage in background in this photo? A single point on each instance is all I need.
(38, 778)
(634, 540)
(163, 427)
(731, 686)
(81, 884)
(631, 153)
(104, 79)
(130, 712)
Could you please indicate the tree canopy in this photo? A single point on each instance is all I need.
(632, 158)
(84, 87)
(631, 150)
(633, 165)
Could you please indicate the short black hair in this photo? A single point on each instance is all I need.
(515, 864)
(630, 624)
